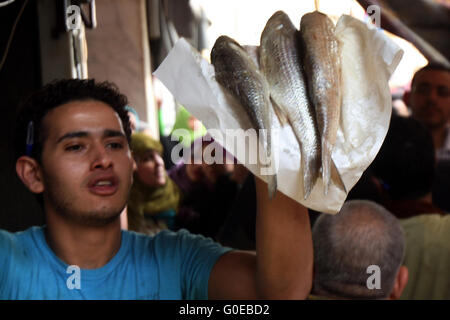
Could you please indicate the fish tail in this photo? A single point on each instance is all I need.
(272, 185)
(309, 163)
(311, 168)
(272, 182)
(326, 159)
(282, 118)
(336, 177)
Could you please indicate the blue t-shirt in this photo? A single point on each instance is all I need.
(170, 265)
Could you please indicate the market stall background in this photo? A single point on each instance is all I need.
(132, 37)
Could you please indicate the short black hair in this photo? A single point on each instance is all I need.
(57, 93)
(406, 161)
(430, 66)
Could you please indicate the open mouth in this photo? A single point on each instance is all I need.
(103, 186)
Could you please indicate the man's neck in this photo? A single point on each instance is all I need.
(428, 198)
(439, 135)
(83, 246)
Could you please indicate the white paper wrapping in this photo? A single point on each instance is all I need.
(368, 59)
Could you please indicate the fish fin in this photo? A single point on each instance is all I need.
(281, 115)
(336, 177)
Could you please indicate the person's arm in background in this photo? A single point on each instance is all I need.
(283, 265)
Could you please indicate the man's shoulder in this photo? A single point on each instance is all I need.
(173, 245)
(165, 238)
(185, 238)
(428, 228)
(427, 220)
(20, 251)
(25, 236)
(443, 153)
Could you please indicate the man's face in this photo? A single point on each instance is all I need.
(86, 162)
(429, 99)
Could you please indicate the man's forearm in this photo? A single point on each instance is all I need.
(283, 245)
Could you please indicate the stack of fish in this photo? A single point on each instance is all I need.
(299, 75)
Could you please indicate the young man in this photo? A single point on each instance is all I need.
(429, 100)
(72, 150)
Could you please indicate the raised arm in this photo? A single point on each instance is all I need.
(283, 264)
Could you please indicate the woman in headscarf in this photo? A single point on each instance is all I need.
(154, 197)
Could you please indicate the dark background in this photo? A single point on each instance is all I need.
(19, 76)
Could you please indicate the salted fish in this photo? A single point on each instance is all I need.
(322, 65)
(237, 72)
(280, 63)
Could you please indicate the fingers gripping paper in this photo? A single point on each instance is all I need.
(368, 59)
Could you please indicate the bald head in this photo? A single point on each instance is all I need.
(362, 234)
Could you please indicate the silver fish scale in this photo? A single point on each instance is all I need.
(280, 62)
(322, 66)
(236, 71)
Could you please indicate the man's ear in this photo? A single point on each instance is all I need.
(30, 172)
(400, 283)
(134, 164)
(406, 97)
